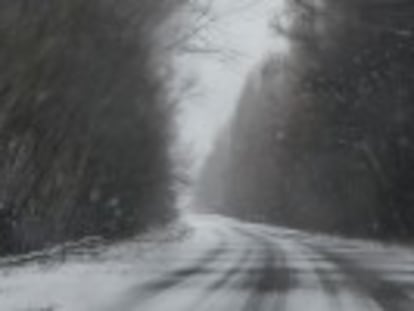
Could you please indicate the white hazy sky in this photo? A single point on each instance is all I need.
(240, 30)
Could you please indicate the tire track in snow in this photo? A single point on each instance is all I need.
(388, 295)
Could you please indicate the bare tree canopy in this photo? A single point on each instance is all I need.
(84, 119)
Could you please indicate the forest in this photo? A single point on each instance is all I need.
(323, 137)
(85, 119)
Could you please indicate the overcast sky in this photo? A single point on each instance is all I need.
(240, 31)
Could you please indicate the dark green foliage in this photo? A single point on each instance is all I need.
(84, 119)
(326, 142)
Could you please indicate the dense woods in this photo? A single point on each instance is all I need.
(85, 119)
(323, 138)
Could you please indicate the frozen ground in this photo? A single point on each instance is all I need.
(214, 263)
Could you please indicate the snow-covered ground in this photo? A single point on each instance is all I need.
(80, 276)
(213, 263)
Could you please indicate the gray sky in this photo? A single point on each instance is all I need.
(240, 31)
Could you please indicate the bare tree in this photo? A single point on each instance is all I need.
(85, 118)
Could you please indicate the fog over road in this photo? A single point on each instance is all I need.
(229, 265)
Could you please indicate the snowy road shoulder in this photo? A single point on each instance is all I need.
(77, 278)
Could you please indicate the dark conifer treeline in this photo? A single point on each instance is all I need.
(324, 137)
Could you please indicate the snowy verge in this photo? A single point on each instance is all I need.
(81, 276)
(93, 246)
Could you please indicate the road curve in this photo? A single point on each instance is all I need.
(227, 265)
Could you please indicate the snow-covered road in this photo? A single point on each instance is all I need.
(223, 265)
